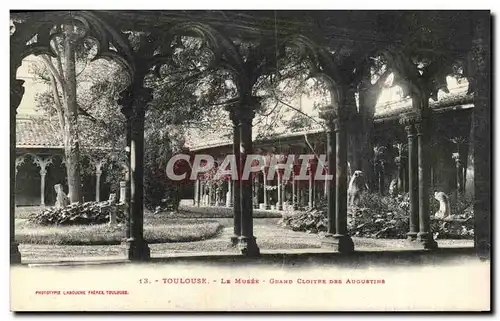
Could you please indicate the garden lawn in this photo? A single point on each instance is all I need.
(155, 231)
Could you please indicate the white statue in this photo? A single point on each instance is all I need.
(357, 185)
(61, 199)
(393, 188)
(444, 205)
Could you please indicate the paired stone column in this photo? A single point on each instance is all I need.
(247, 242)
(340, 241)
(264, 179)
(279, 185)
(42, 163)
(311, 185)
(408, 121)
(424, 235)
(331, 189)
(236, 184)
(134, 102)
(196, 199)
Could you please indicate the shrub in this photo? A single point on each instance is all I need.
(378, 216)
(77, 214)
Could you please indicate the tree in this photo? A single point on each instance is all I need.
(60, 71)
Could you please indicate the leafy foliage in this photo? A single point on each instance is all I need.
(77, 214)
(379, 217)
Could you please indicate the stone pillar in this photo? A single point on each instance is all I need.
(425, 234)
(210, 193)
(256, 191)
(331, 189)
(42, 163)
(294, 192)
(16, 95)
(482, 115)
(298, 193)
(202, 193)
(98, 173)
(195, 192)
(310, 203)
(408, 122)
(264, 179)
(134, 102)
(247, 241)
(340, 241)
(279, 185)
(237, 183)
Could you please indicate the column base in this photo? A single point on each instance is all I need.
(248, 246)
(235, 240)
(338, 242)
(137, 250)
(15, 255)
(411, 236)
(279, 207)
(427, 240)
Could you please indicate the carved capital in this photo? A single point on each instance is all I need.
(410, 119)
(42, 163)
(20, 161)
(134, 100)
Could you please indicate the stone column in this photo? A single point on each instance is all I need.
(331, 189)
(236, 183)
(310, 203)
(279, 185)
(98, 173)
(481, 79)
(408, 121)
(299, 196)
(424, 235)
(16, 95)
(247, 241)
(294, 192)
(202, 193)
(256, 190)
(210, 193)
(196, 199)
(340, 241)
(134, 102)
(42, 163)
(264, 179)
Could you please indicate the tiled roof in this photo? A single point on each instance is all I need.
(32, 131)
(457, 96)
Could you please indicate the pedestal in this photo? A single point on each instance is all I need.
(15, 255)
(337, 242)
(137, 250)
(248, 246)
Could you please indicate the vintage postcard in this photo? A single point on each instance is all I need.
(250, 160)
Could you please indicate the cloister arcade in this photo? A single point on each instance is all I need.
(420, 47)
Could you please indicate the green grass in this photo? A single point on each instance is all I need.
(103, 234)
